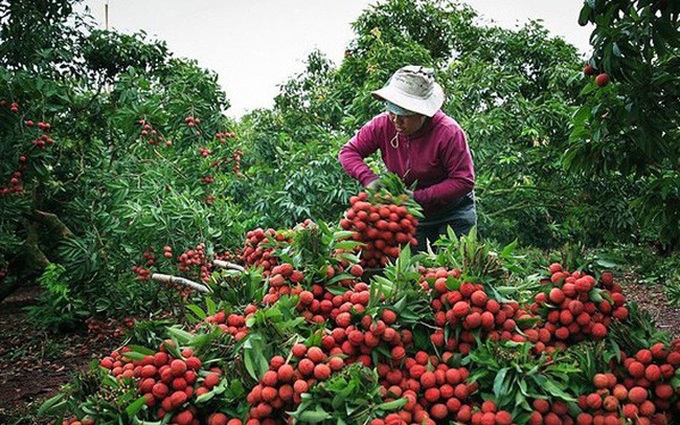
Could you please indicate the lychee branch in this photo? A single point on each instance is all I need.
(166, 278)
(228, 265)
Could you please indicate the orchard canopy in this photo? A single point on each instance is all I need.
(261, 285)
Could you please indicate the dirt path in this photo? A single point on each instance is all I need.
(35, 364)
(651, 299)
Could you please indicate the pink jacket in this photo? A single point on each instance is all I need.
(437, 156)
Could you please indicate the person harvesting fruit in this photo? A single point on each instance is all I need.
(422, 145)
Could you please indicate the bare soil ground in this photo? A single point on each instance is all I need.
(35, 364)
(651, 299)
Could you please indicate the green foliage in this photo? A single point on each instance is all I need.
(516, 377)
(270, 330)
(349, 397)
(480, 260)
(49, 39)
(629, 128)
(59, 309)
(98, 395)
(511, 92)
(399, 287)
(437, 26)
(117, 187)
(111, 53)
(128, 173)
(638, 331)
(644, 263)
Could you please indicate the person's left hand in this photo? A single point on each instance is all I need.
(374, 185)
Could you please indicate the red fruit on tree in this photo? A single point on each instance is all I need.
(178, 398)
(184, 417)
(556, 296)
(356, 270)
(602, 80)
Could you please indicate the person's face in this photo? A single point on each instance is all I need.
(407, 124)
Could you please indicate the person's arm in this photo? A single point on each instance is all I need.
(461, 175)
(352, 154)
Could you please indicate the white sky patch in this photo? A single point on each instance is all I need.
(256, 45)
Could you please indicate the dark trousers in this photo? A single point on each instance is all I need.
(461, 222)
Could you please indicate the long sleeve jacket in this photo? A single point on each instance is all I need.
(436, 156)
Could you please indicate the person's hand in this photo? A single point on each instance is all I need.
(374, 185)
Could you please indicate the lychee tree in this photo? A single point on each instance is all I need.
(109, 144)
(627, 127)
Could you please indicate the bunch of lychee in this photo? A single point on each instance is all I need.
(435, 391)
(469, 310)
(152, 136)
(613, 401)
(255, 252)
(234, 324)
(568, 308)
(280, 388)
(196, 258)
(383, 224)
(167, 383)
(15, 185)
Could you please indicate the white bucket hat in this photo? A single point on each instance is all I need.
(413, 88)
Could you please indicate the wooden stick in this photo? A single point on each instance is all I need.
(166, 278)
(228, 265)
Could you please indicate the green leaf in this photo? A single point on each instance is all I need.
(182, 336)
(348, 245)
(140, 349)
(608, 264)
(339, 277)
(584, 15)
(136, 406)
(198, 311)
(315, 416)
(254, 359)
(499, 387)
(588, 88)
(250, 366)
(205, 396)
(551, 388)
(342, 234)
(595, 296)
(51, 404)
(134, 355)
(393, 405)
(210, 305)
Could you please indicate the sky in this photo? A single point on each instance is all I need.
(256, 45)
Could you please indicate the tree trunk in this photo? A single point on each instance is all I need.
(31, 260)
(53, 224)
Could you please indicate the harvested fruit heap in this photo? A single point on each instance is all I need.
(302, 337)
(575, 308)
